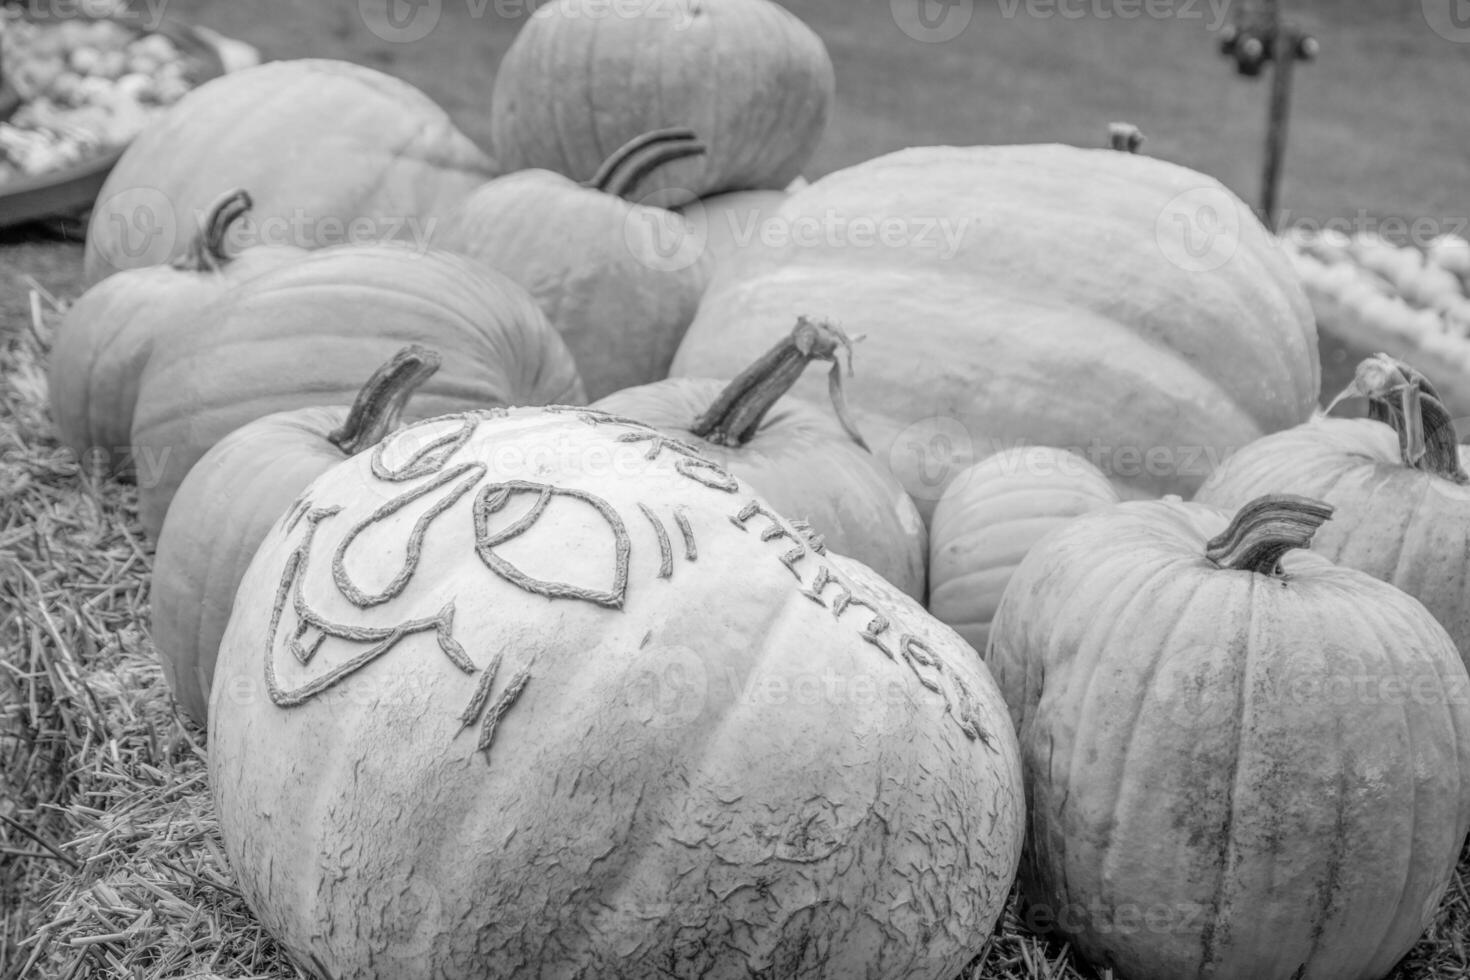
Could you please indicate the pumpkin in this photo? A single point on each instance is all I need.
(802, 462)
(370, 158)
(308, 333)
(542, 691)
(620, 281)
(1031, 294)
(1397, 480)
(1242, 761)
(109, 333)
(751, 78)
(227, 503)
(990, 516)
(724, 225)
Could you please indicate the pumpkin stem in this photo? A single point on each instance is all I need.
(1265, 529)
(206, 253)
(380, 403)
(622, 172)
(1402, 398)
(736, 414)
(1125, 137)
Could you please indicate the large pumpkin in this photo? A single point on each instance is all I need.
(1242, 761)
(807, 463)
(541, 693)
(228, 502)
(333, 153)
(1040, 294)
(1397, 480)
(308, 334)
(620, 281)
(990, 516)
(110, 332)
(747, 75)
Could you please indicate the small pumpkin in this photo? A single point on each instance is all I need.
(990, 516)
(1039, 294)
(619, 280)
(108, 334)
(802, 462)
(749, 76)
(371, 158)
(1242, 761)
(229, 500)
(309, 332)
(541, 686)
(1397, 480)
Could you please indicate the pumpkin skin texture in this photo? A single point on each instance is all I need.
(595, 263)
(1030, 294)
(990, 516)
(747, 75)
(227, 503)
(309, 333)
(802, 462)
(370, 157)
(724, 225)
(1407, 525)
(109, 333)
(1275, 760)
(653, 797)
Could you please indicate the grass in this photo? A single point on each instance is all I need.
(109, 858)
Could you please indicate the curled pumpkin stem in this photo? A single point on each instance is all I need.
(1402, 398)
(206, 253)
(1266, 529)
(630, 164)
(1125, 137)
(737, 413)
(380, 403)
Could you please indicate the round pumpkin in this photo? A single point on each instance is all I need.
(1398, 482)
(539, 691)
(990, 516)
(108, 334)
(725, 225)
(748, 76)
(308, 334)
(618, 280)
(1242, 761)
(332, 152)
(806, 464)
(228, 502)
(1031, 294)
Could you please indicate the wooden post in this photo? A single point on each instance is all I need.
(1283, 59)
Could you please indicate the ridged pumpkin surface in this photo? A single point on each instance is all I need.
(750, 78)
(1230, 775)
(1045, 294)
(533, 693)
(990, 516)
(332, 152)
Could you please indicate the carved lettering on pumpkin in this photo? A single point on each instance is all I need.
(693, 464)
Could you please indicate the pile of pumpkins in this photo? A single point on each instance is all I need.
(549, 617)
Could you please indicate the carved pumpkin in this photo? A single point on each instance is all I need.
(544, 690)
(1397, 480)
(308, 333)
(1041, 294)
(109, 333)
(370, 158)
(753, 80)
(1242, 761)
(990, 516)
(595, 261)
(228, 502)
(805, 464)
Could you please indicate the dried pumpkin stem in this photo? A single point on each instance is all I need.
(737, 413)
(628, 166)
(1401, 397)
(1125, 137)
(1264, 530)
(206, 253)
(381, 401)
